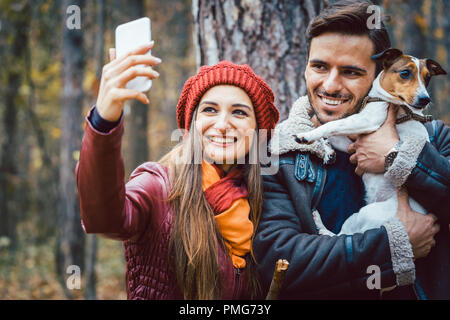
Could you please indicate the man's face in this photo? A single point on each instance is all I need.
(339, 74)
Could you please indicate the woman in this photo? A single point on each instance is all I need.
(187, 222)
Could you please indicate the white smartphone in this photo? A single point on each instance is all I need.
(130, 36)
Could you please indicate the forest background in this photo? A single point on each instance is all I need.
(49, 77)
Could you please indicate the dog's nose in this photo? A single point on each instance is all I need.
(424, 101)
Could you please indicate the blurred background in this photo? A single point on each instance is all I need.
(50, 68)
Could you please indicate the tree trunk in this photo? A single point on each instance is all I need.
(91, 239)
(70, 244)
(269, 36)
(16, 27)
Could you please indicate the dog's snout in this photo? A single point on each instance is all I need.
(423, 101)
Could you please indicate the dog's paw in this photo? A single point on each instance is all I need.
(330, 157)
(321, 229)
(302, 139)
(317, 220)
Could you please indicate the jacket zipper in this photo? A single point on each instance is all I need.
(236, 283)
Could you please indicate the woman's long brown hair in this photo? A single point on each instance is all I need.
(195, 238)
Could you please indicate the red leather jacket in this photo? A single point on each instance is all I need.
(137, 214)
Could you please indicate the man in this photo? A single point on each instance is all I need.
(339, 74)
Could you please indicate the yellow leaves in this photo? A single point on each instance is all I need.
(55, 133)
(4, 242)
(441, 53)
(421, 22)
(439, 33)
(36, 161)
(76, 155)
(89, 78)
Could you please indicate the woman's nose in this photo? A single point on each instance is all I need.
(222, 122)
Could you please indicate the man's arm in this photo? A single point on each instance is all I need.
(424, 168)
(429, 181)
(318, 263)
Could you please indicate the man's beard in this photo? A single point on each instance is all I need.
(353, 110)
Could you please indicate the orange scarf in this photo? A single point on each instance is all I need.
(227, 196)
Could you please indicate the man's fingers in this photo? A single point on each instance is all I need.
(351, 148)
(353, 137)
(432, 216)
(359, 171)
(122, 94)
(436, 228)
(353, 159)
(392, 113)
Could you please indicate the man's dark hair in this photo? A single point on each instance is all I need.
(350, 18)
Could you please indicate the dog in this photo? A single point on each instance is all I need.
(402, 82)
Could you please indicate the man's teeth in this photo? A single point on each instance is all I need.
(222, 140)
(333, 102)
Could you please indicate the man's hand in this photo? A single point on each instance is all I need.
(421, 228)
(369, 150)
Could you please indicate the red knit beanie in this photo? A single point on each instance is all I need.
(229, 73)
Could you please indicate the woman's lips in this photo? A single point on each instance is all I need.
(222, 141)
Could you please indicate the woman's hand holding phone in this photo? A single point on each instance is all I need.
(115, 75)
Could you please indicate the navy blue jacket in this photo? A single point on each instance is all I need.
(324, 267)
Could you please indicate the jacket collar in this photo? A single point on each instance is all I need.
(299, 120)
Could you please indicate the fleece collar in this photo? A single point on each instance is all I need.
(299, 120)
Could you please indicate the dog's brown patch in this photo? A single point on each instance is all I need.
(393, 83)
(425, 74)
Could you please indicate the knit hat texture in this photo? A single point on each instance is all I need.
(228, 73)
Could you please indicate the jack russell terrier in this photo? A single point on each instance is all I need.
(403, 82)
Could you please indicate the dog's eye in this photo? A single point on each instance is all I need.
(405, 74)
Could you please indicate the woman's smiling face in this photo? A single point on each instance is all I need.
(226, 122)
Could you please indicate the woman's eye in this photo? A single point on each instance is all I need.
(240, 112)
(405, 74)
(209, 109)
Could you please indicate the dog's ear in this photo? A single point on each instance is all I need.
(434, 67)
(388, 56)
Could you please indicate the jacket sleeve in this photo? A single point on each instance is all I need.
(107, 205)
(429, 181)
(316, 263)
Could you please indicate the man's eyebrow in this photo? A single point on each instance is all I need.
(355, 68)
(318, 61)
(351, 67)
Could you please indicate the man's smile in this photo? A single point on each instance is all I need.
(332, 103)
